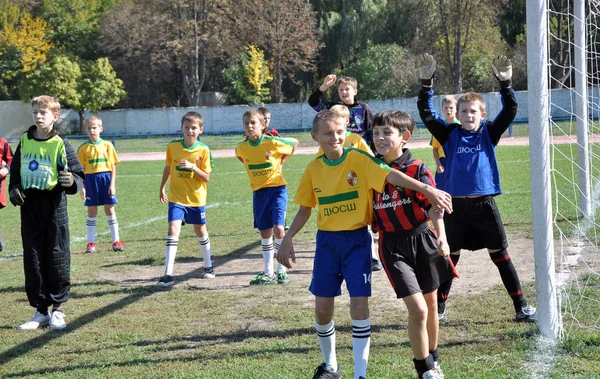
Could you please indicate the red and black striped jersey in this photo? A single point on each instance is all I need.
(400, 209)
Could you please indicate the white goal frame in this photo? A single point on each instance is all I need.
(548, 300)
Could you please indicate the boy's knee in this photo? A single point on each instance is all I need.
(359, 308)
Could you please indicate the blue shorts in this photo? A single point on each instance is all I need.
(269, 205)
(344, 255)
(189, 215)
(96, 189)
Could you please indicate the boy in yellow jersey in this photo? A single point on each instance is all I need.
(449, 111)
(356, 141)
(44, 169)
(99, 160)
(340, 183)
(263, 157)
(188, 165)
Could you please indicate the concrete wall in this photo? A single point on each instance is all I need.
(15, 116)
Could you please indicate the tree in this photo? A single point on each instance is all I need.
(136, 35)
(461, 21)
(286, 30)
(380, 71)
(75, 24)
(23, 45)
(200, 34)
(246, 78)
(98, 87)
(95, 87)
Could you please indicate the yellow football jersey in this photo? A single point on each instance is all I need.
(353, 140)
(262, 160)
(97, 157)
(184, 187)
(436, 145)
(342, 189)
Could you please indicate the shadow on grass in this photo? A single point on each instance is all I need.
(137, 293)
(194, 344)
(50, 336)
(140, 262)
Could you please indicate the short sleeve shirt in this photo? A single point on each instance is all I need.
(342, 189)
(184, 187)
(262, 160)
(97, 156)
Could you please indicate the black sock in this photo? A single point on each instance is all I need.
(435, 354)
(444, 288)
(509, 277)
(423, 365)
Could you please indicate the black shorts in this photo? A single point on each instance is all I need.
(475, 224)
(411, 261)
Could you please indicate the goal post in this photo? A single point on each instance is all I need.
(538, 107)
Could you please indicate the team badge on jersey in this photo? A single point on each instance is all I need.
(352, 178)
(268, 154)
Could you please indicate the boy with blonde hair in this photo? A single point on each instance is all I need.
(449, 112)
(356, 141)
(473, 178)
(188, 167)
(44, 169)
(414, 255)
(361, 116)
(340, 182)
(99, 160)
(263, 157)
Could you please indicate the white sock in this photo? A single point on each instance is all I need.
(170, 253)
(205, 250)
(361, 342)
(280, 268)
(326, 337)
(90, 228)
(113, 225)
(268, 252)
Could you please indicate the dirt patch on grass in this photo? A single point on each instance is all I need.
(477, 272)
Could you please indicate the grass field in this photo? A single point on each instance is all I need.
(119, 327)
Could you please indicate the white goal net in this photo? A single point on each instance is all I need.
(568, 293)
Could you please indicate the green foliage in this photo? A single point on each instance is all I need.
(58, 77)
(75, 24)
(24, 45)
(89, 85)
(245, 78)
(99, 87)
(10, 68)
(378, 70)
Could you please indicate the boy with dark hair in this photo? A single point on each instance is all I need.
(45, 168)
(268, 131)
(473, 178)
(6, 156)
(340, 183)
(188, 167)
(414, 256)
(99, 160)
(361, 116)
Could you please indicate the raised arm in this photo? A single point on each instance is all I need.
(433, 122)
(315, 100)
(502, 68)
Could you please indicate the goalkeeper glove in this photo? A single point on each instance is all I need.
(16, 195)
(502, 68)
(65, 178)
(427, 66)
